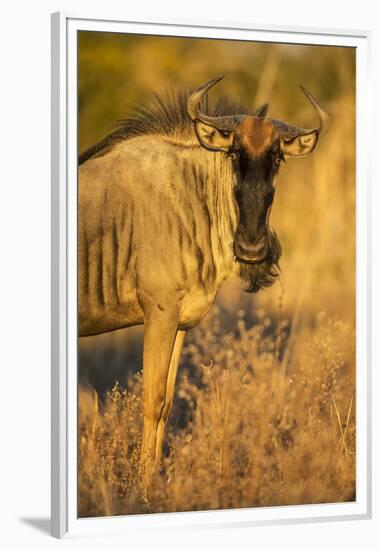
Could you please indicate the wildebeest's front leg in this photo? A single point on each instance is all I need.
(160, 331)
(169, 392)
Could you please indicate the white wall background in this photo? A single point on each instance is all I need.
(25, 269)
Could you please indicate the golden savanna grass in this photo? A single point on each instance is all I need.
(264, 412)
(248, 428)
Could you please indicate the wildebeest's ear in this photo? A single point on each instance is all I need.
(212, 138)
(300, 145)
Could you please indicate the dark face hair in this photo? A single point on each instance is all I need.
(256, 246)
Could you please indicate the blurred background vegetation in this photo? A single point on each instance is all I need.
(314, 216)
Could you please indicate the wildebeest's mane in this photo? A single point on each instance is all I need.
(162, 114)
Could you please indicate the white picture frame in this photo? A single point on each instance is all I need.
(64, 278)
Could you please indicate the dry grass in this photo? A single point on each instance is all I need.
(265, 403)
(248, 428)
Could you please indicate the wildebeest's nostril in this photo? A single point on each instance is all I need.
(255, 250)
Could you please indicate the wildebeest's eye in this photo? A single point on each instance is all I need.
(276, 153)
(279, 157)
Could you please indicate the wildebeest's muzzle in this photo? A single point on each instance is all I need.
(261, 273)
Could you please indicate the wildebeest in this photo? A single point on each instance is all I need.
(170, 204)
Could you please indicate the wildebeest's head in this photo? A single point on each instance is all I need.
(257, 145)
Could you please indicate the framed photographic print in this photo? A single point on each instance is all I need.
(211, 279)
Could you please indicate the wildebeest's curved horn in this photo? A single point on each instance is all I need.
(289, 132)
(227, 123)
